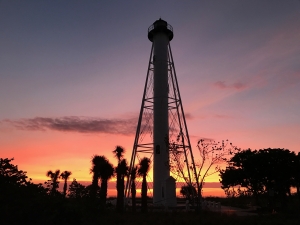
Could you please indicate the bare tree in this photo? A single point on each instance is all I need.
(212, 155)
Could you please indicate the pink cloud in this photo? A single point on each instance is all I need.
(235, 86)
(189, 116)
(213, 116)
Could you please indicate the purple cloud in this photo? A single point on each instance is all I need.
(77, 124)
(221, 116)
(236, 85)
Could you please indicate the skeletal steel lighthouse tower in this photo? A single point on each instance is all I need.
(161, 131)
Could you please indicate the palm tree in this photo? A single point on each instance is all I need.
(65, 176)
(133, 188)
(121, 170)
(143, 169)
(106, 172)
(119, 152)
(96, 161)
(102, 169)
(54, 176)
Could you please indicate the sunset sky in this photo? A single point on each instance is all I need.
(72, 75)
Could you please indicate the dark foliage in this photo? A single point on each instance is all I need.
(143, 170)
(267, 172)
(121, 171)
(188, 191)
(77, 190)
(54, 176)
(23, 202)
(65, 176)
(102, 169)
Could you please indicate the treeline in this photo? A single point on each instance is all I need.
(267, 175)
(21, 198)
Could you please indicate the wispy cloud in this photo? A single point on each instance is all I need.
(222, 116)
(206, 139)
(189, 116)
(214, 116)
(236, 85)
(76, 124)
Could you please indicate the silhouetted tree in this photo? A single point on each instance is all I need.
(121, 171)
(14, 185)
(188, 191)
(143, 170)
(119, 153)
(9, 173)
(96, 163)
(20, 199)
(54, 176)
(212, 154)
(243, 171)
(266, 171)
(65, 176)
(296, 174)
(77, 190)
(104, 170)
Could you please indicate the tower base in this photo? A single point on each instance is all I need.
(167, 195)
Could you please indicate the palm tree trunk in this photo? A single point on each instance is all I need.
(122, 187)
(94, 186)
(119, 190)
(54, 186)
(144, 195)
(133, 195)
(65, 188)
(103, 191)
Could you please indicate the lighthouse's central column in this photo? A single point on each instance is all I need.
(160, 33)
(161, 122)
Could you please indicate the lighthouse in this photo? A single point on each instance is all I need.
(161, 133)
(160, 33)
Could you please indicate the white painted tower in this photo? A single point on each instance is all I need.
(161, 131)
(160, 34)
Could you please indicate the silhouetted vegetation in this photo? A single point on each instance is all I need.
(77, 190)
(102, 169)
(188, 191)
(266, 175)
(143, 170)
(121, 171)
(262, 178)
(65, 176)
(54, 181)
(212, 154)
